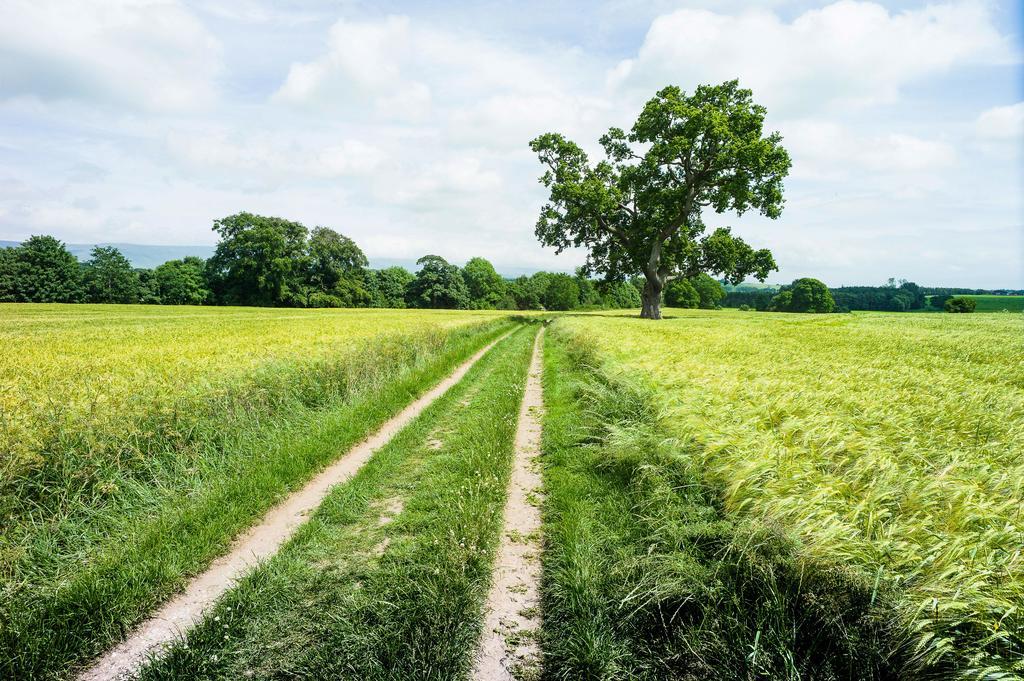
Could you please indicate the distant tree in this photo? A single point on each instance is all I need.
(388, 286)
(486, 287)
(562, 292)
(681, 293)
(639, 211)
(619, 295)
(939, 302)
(8, 276)
(588, 289)
(149, 287)
(109, 277)
(438, 284)
(259, 261)
(804, 295)
(41, 270)
(335, 267)
(960, 304)
(182, 282)
(708, 290)
(529, 292)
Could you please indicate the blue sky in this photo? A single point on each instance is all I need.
(405, 125)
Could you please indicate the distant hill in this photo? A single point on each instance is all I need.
(149, 256)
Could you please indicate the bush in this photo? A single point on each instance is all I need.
(960, 304)
(681, 293)
(744, 308)
(804, 295)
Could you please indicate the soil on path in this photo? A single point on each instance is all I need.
(177, 616)
(508, 648)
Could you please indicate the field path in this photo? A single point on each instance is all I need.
(255, 545)
(512, 611)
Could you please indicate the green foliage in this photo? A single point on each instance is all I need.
(258, 261)
(182, 282)
(563, 293)
(110, 278)
(149, 287)
(438, 284)
(387, 287)
(589, 295)
(708, 290)
(640, 213)
(335, 270)
(960, 304)
(939, 302)
(681, 293)
(804, 295)
(486, 287)
(620, 295)
(41, 270)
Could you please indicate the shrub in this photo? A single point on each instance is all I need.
(960, 304)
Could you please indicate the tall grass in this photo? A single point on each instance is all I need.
(387, 579)
(891, 443)
(117, 514)
(645, 576)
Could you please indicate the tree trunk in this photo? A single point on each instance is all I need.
(651, 297)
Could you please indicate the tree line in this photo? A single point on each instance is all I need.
(269, 261)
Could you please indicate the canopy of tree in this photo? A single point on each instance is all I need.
(40, 270)
(438, 284)
(638, 211)
(960, 304)
(803, 295)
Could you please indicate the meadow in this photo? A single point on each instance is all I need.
(998, 303)
(890, 443)
(136, 442)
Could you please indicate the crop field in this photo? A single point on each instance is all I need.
(889, 443)
(722, 494)
(998, 303)
(126, 430)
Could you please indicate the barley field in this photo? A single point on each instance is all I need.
(889, 442)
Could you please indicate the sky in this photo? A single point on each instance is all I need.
(406, 125)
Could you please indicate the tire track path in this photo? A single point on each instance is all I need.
(261, 541)
(508, 648)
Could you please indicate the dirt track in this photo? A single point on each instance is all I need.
(512, 611)
(254, 546)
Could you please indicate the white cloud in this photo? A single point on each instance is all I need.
(1002, 123)
(409, 133)
(823, 149)
(138, 53)
(268, 155)
(847, 53)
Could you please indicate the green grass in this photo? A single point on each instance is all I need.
(645, 576)
(889, 442)
(998, 303)
(80, 569)
(350, 597)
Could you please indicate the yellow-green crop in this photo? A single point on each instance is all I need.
(93, 367)
(891, 442)
(136, 441)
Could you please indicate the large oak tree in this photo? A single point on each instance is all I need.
(638, 211)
